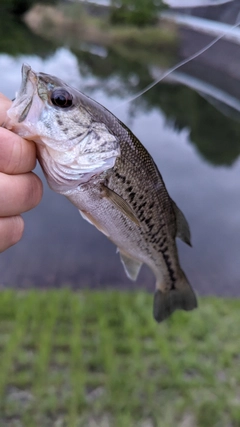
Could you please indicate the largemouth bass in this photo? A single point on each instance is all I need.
(92, 158)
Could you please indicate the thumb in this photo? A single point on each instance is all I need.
(5, 104)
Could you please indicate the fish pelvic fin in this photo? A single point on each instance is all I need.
(181, 297)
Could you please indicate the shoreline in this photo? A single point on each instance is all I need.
(55, 22)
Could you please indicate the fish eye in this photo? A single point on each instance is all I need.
(61, 98)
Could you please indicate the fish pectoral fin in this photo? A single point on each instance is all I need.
(183, 230)
(120, 203)
(131, 266)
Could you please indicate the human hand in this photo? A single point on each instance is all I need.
(20, 189)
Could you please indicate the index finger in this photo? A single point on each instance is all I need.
(16, 154)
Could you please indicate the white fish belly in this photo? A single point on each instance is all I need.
(123, 232)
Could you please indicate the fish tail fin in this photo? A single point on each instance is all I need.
(180, 297)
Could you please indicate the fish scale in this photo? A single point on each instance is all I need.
(154, 232)
(93, 159)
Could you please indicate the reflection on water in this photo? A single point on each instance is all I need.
(195, 146)
(16, 38)
(194, 3)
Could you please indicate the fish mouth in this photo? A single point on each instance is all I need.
(28, 76)
(26, 92)
(25, 112)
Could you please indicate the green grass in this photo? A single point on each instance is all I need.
(99, 359)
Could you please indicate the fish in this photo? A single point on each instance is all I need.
(88, 155)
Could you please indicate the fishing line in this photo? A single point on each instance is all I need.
(175, 67)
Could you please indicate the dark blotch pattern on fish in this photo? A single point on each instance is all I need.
(131, 196)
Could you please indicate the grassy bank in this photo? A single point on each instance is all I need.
(71, 24)
(98, 359)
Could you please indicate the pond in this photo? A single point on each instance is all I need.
(194, 139)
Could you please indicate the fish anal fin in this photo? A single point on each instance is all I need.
(88, 217)
(119, 203)
(183, 230)
(131, 266)
(180, 297)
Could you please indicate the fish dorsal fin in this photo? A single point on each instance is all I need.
(120, 203)
(131, 266)
(183, 230)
